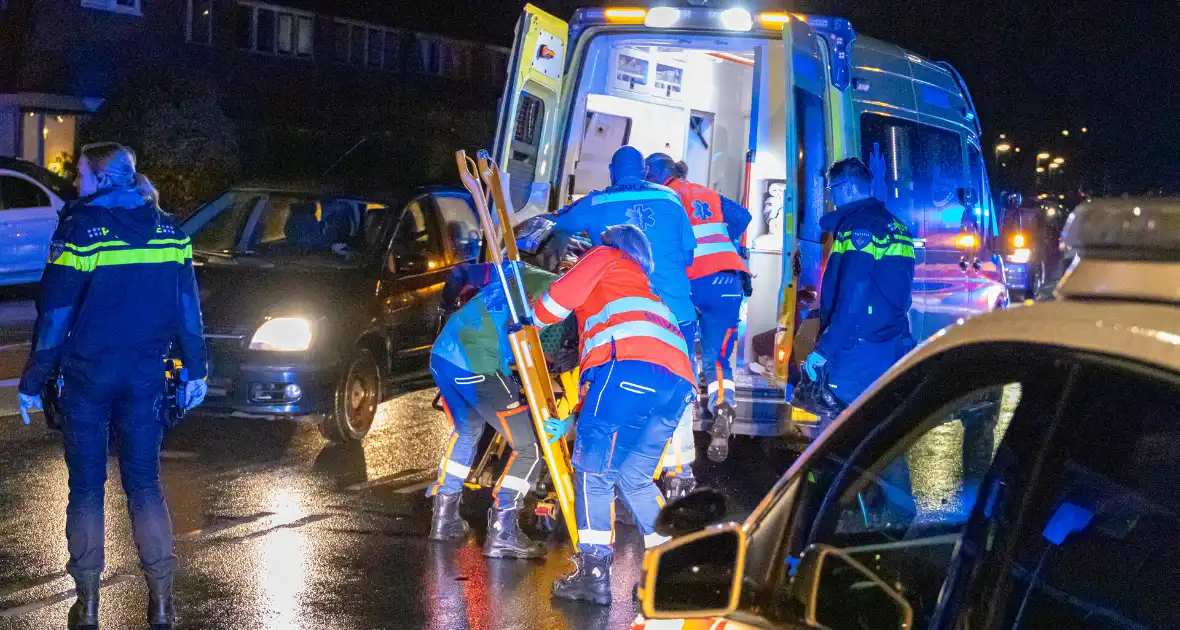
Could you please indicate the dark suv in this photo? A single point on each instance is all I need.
(321, 305)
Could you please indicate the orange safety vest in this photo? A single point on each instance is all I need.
(714, 251)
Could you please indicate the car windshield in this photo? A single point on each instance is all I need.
(287, 226)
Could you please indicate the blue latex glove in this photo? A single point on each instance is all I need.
(29, 404)
(194, 393)
(813, 362)
(556, 429)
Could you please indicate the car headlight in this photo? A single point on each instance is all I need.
(283, 334)
(1020, 256)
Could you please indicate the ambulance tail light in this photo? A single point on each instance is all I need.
(1018, 240)
(736, 19)
(625, 15)
(966, 241)
(662, 17)
(773, 20)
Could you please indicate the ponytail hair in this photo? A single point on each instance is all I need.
(116, 163)
(631, 241)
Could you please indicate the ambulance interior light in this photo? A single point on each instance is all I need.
(1123, 229)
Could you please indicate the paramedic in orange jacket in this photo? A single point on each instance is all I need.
(716, 278)
(636, 382)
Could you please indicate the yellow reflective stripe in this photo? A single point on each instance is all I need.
(81, 263)
(94, 246)
(110, 258)
(901, 250)
(169, 241)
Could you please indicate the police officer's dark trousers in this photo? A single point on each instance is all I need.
(121, 393)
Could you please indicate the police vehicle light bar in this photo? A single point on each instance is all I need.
(1126, 229)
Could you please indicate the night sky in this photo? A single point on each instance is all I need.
(1035, 67)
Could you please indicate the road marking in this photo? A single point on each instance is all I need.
(15, 611)
(8, 592)
(385, 479)
(23, 344)
(177, 455)
(205, 532)
(306, 520)
(12, 382)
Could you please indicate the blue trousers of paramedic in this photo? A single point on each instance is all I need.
(473, 401)
(629, 412)
(852, 371)
(682, 451)
(718, 298)
(122, 396)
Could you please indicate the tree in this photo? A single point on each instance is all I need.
(183, 140)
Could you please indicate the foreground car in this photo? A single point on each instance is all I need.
(1017, 470)
(321, 305)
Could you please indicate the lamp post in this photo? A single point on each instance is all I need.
(1002, 147)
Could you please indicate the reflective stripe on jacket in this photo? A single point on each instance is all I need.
(619, 316)
(714, 250)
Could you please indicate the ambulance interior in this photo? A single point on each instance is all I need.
(693, 97)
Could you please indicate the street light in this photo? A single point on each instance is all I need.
(1040, 169)
(1065, 132)
(1018, 149)
(1059, 160)
(1003, 147)
(1043, 156)
(1055, 165)
(1084, 130)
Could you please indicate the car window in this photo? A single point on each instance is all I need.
(413, 237)
(1098, 544)
(460, 227)
(895, 484)
(217, 226)
(918, 170)
(17, 193)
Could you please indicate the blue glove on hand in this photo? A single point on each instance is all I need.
(29, 404)
(194, 393)
(813, 362)
(556, 429)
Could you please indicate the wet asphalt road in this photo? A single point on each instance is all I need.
(277, 529)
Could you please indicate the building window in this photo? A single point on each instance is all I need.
(130, 7)
(359, 44)
(47, 139)
(274, 30)
(200, 22)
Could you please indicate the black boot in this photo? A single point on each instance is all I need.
(723, 418)
(84, 612)
(678, 484)
(446, 523)
(161, 614)
(506, 540)
(590, 581)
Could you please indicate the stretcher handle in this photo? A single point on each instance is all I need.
(494, 179)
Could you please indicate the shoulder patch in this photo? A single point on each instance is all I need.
(57, 247)
(862, 238)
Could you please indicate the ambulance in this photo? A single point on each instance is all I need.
(758, 105)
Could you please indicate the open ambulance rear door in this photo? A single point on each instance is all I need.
(527, 135)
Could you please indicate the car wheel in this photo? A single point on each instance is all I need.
(356, 399)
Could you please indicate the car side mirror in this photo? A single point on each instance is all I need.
(839, 593)
(692, 512)
(697, 576)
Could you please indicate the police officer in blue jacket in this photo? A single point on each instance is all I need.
(118, 290)
(867, 286)
(659, 213)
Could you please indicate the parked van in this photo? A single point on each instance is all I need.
(758, 106)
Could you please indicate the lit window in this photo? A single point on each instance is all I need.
(273, 30)
(130, 7)
(200, 22)
(48, 138)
